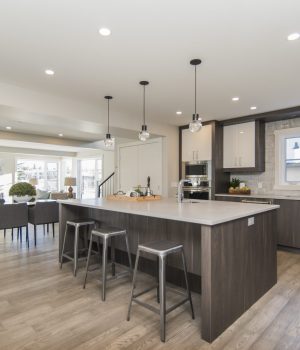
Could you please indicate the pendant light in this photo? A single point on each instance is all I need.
(108, 142)
(144, 134)
(195, 125)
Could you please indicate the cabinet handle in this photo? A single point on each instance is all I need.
(193, 155)
(235, 161)
(240, 161)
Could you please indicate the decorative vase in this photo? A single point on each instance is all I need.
(22, 199)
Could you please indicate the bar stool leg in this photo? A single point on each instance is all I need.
(113, 256)
(128, 252)
(76, 249)
(187, 283)
(133, 283)
(104, 268)
(63, 247)
(88, 261)
(162, 297)
(99, 250)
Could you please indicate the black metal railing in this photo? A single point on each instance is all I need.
(106, 187)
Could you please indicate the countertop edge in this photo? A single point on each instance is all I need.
(171, 217)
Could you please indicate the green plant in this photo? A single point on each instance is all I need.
(22, 189)
(235, 182)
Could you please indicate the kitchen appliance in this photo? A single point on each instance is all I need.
(198, 184)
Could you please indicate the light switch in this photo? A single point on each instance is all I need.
(251, 221)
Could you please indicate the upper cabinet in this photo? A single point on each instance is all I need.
(197, 146)
(243, 147)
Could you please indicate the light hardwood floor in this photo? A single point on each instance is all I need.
(43, 307)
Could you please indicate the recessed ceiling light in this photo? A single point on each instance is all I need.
(104, 31)
(253, 108)
(179, 113)
(49, 72)
(8, 127)
(60, 135)
(242, 132)
(235, 98)
(293, 36)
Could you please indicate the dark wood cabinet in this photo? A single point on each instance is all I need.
(287, 222)
(286, 218)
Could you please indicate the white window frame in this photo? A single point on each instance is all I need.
(280, 161)
(46, 161)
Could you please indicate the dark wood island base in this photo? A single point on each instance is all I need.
(231, 264)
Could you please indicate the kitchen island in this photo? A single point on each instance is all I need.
(230, 248)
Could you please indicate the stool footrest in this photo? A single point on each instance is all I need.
(147, 306)
(175, 306)
(118, 275)
(144, 291)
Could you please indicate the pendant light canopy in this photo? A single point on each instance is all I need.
(144, 134)
(195, 125)
(108, 142)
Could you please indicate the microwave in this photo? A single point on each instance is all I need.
(199, 169)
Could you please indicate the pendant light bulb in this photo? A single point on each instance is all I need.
(144, 134)
(195, 125)
(109, 141)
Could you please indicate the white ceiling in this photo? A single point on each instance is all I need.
(242, 44)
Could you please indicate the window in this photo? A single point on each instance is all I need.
(90, 174)
(46, 172)
(287, 159)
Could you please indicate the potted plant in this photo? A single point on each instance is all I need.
(22, 192)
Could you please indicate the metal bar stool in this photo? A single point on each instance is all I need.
(161, 249)
(106, 234)
(77, 224)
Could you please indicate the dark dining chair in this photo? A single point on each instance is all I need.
(14, 216)
(42, 213)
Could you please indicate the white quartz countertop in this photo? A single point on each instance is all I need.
(266, 196)
(205, 212)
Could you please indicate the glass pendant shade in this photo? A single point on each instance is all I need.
(108, 142)
(195, 125)
(144, 134)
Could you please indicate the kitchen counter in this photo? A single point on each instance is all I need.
(231, 260)
(265, 195)
(200, 212)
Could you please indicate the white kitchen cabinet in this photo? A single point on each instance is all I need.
(198, 145)
(239, 146)
(137, 162)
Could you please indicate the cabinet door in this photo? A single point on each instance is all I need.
(245, 134)
(198, 145)
(230, 147)
(188, 150)
(203, 143)
(128, 168)
(150, 164)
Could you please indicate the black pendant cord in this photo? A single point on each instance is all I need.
(195, 90)
(108, 116)
(144, 105)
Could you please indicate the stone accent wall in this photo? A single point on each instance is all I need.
(267, 179)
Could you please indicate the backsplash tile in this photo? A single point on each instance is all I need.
(268, 177)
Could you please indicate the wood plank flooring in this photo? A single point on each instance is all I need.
(43, 307)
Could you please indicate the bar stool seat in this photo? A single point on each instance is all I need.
(77, 224)
(106, 233)
(161, 249)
